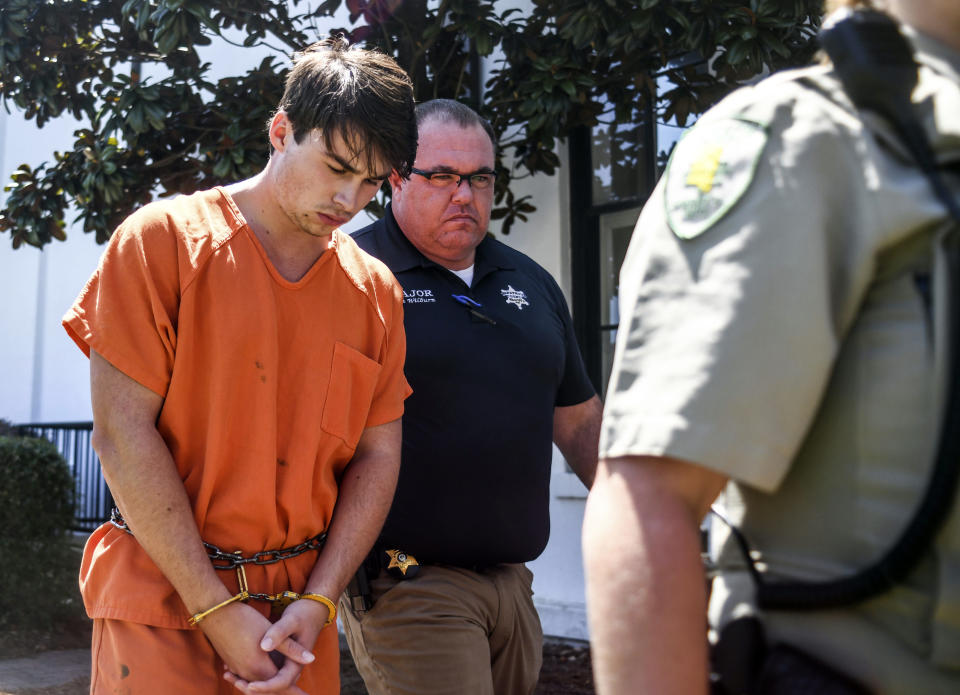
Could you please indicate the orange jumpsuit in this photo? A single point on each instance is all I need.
(267, 386)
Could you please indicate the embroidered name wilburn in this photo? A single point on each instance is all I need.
(418, 296)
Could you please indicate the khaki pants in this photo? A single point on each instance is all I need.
(448, 631)
(134, 659)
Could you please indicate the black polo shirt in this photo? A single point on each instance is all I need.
(487, 371)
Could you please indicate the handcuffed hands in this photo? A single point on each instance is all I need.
(291, 638)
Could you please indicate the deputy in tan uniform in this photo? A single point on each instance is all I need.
(783, 301)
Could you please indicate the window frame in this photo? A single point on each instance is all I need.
(585, 238)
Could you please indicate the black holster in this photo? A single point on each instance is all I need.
(358, 590)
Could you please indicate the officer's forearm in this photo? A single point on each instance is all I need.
(576, 431)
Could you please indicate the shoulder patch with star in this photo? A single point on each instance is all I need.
(710, 170)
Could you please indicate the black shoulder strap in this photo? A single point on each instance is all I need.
(876, 67)
(875, 64)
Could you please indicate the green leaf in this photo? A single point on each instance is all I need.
(222, 168)
(737, 52)
(135, 119)
(484, 44)
(774, 44)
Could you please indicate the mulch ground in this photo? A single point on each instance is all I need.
(565, 671)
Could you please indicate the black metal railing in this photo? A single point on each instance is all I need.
(72, 439)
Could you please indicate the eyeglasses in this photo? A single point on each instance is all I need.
(447, 179)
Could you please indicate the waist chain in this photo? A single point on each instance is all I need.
(223, 560)
(226, 561)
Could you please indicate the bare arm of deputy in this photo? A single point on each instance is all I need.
(144, 481)
(576, 431)
(645, 581)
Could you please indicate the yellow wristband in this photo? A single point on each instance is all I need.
(320, 598)
(196, 618)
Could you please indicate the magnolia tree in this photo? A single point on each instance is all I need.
(552, 66)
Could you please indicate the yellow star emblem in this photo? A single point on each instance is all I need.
(401, 561)
(704, 169)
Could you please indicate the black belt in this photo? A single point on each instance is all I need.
(399, 563)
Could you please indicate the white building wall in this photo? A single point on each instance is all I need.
(18, 290)
(44, 377)
(63, 383)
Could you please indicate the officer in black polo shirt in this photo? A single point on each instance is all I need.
(497, 377)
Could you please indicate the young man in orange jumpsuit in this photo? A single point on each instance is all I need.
(247, 383)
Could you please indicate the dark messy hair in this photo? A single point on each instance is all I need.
(450, 111)
(361, 94)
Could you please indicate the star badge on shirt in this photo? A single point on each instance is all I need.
(402, 565)
(516, 297)
(710, 170)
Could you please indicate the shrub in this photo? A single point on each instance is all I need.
(38, 574)
(7, 429)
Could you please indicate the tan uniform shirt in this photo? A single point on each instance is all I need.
(780, 300)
